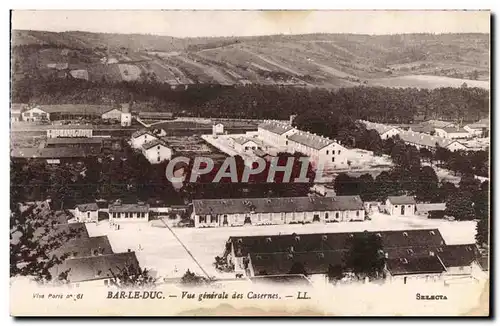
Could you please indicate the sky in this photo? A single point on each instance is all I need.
(247, 23)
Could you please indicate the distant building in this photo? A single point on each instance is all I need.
(260, 211)
(126, 115)
(460, 259)
(452, 133)
(275, 133)
(156, 151)
(218, 129)
(384, 131)
(76, 131)
(94, 143)
(16, 110)
(156, 115)
(119, 212)
(400, 205)
(321, 150)
(79, 247)
(438, 123)
(50, 155)
(74, 111)
(87, 213)
(141, 137)
(243, 144)
(112, 114)
(425, 209)
(409, 269)
(35, 114)
(421, 140)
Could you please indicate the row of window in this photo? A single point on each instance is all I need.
(129, 215)
(214, 218)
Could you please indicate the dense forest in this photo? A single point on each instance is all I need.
(378, 104)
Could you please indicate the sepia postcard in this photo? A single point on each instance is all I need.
(250, 163)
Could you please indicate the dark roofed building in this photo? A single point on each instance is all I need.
(156, 115)
(83, 247)
(72, 111)
(96, 268)
(415, 265)
(220, 212)
(119, 212)
(51, 155)
(75, 142)
(275, 127)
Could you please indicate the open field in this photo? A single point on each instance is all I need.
(129, 72)
(158, 249)
(425, 81)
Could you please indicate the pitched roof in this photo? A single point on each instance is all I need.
(454, 130)
(88, 207)
(380, 128)
(243, 140)
(275, 127)
(422, 139)
(48, 152)
(156, 115)
(276, 205)
(459, 255)
(125, 208)
(141, 132)
(415, 265)
(71, 127)
(402, 200)
(333, 241)
(75, 140)
(431, 207)
(76, 108)
(311, 140)
(437, 123)
(95, 267)
(84, 247)
(153, 143)
(285, 279)
(484, 263)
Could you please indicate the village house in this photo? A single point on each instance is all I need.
(65, 131)
(119, 212)
(35, 114)
(267, 211)
(156, 151)
(421, 140)
(275, 133)
(321, 151)
(427, 210)
(50, 155)
(413, 269)
(217, 129)
(79, 247)
(384, 131)
(112, 114)
(87, 213)
(244, 144)
(459, 260)
(452, 133)
(141, 137)
(400, 205)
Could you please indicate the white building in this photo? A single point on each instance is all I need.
(87, 213)
(459, 260)
(243, 144)
(421, 140)
(126, 115)
(275, 133)
(452, 133)
(112, 114)
(35, 114)
(156, 151)
(400, 205)
(267, 211)
(218, 129)
(141, 137)
(385, 131)
(119, 212)
(73, 131)
(320, 150)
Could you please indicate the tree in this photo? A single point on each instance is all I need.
(482, 232)
(33, 240)
(191, 279)
(365, 256)
(427, 188)
(132, 276)
(459, 205)
(335, 273)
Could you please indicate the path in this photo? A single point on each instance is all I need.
(185, 248)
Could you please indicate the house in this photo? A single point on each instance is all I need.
(156, 151)
(218, 129)
(410, 269)
(156, 115)
(426, 209)
(315, 253)
(243, 144)
(384, 131)
(50, 155)
(275, 133)
(74, 111)
(452, 133)
(112, 114)
(119, 212)
(400, 205)
(35, 114)
(126, 115)
(87, 213)
(478, 128)
(65, 131)
(321, 151)
(421, 140)
(266, 211)
(97, 269)
(141, 137)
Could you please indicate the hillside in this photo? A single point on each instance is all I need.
(324, 60)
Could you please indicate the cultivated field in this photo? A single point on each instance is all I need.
(129, 72)
(425, 81)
